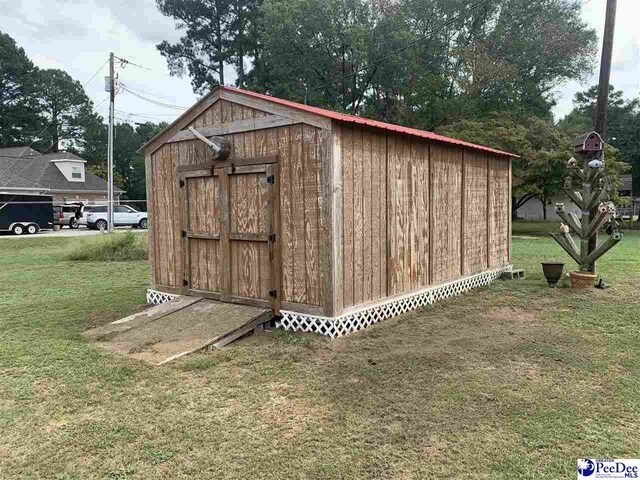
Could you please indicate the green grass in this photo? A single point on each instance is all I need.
(534, 227)
(120, 247)
(515, 380)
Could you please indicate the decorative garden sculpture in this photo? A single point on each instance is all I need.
(595, 187)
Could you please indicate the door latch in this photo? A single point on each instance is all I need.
(272, 237)
(273, 293)
(271, 179)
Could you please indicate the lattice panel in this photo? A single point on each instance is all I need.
(154, 297)
(349, 323)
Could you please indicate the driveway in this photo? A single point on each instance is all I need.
(68, 232)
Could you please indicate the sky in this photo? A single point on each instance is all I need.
(77, 36)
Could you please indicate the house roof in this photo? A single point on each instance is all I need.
(24, 167)
(342, 117)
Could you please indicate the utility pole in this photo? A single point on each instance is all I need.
(603, 93)
(112, 96)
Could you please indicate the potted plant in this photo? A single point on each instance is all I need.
(552, 272)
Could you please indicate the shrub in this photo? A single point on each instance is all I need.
(112, 248)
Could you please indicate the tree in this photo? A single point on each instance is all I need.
(128, 165)
(424, 63)
(216, 33)
(310, 43)
(543, 149)
(65, 108)
(19, 120)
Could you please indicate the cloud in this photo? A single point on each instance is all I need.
(45, 61)
(625, 66)
(38, 19)
(145, 20)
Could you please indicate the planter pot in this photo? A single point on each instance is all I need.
(552, 272)
(582, 279)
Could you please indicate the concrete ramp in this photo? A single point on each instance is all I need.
(180, 327)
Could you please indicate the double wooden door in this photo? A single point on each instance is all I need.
(229, 236)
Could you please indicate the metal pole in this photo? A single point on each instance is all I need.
(110, 151)
(603, 93)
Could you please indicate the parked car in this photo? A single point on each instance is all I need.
(66, 215)
(95, 216)
(25, 213)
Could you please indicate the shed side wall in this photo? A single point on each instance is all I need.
(416, 213)
(446, 179)
(475, 212)
(499, 208)
(408, 200)
(364, 186)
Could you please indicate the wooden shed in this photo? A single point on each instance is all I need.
(333, 221)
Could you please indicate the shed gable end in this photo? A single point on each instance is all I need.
(225, 111)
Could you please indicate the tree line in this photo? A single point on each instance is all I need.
(484, 71)
(49, 110)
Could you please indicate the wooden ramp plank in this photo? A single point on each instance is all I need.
(195, 327)
(104, 332)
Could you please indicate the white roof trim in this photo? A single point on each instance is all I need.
(73, 160)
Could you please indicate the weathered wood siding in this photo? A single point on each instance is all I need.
(446, 221)
(301, 224)
(474, 212)
(408, 202)
(499, 208)
(416, 213)
(364, 215)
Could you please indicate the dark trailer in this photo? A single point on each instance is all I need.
(25, 213)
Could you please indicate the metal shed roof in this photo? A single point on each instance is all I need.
(343, 117)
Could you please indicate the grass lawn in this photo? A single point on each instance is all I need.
(515, 380)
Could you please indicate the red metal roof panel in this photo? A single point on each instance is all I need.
(343, 117)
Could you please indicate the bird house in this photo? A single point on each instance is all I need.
(589, 142)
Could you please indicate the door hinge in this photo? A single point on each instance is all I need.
(183, 234)
(185, 282)
(273, 293)
(272, 237)
(181, 183)
(271, 179)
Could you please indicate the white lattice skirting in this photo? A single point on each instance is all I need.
(155, 297)
(352, 322)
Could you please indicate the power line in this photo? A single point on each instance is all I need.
(142, 92)
(143, 115)
(149, 114)
(124, 62)
(154, 102)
